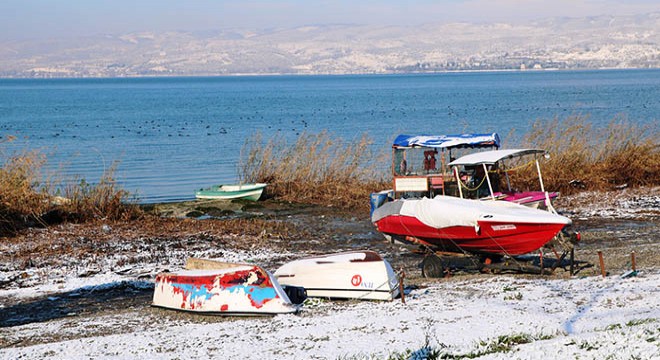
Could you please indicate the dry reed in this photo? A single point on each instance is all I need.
(26, 200)
(22, 197)
(316, 169)
(583, 157)
(101, 200)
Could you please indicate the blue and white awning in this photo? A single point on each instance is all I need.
(447, 141)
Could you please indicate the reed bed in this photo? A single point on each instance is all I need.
(22, 197)
(28, 200)
(321, 170)
(316, 169)
(104, 199)
(583, 157)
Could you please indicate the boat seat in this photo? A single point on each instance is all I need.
(437, 184)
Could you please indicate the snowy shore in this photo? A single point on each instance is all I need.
(64, 305)
(490, 317)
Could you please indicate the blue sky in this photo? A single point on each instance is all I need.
(20, 19)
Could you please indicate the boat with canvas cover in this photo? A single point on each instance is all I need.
(485, 169)
(363, 275)
(229, 192)
(213, 287)
(465, 225)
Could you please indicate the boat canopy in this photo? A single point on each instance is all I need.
(491, 157)
(447, 141)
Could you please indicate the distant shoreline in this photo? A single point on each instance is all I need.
(161, 76)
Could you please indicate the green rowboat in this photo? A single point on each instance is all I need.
(228, 192)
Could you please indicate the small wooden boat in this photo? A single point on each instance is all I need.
(207, 286)
(348, 275)
(228, 192)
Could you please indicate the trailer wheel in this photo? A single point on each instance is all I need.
(432, 266)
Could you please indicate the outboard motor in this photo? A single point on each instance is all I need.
(379, 198)
(297, 294)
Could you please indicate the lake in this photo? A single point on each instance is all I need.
(171, 136)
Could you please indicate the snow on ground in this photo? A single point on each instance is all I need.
(49, 279)
(624, 204)
(591, 317)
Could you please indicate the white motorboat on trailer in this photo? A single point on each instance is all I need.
(455, 224)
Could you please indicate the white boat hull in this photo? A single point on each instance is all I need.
(360, 275)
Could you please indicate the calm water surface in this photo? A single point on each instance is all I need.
(171, 136)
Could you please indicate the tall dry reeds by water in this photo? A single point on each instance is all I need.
(317, 168)
(583, 157)
(104, 199)
(323, 170)
(27, 199)
(21, 192)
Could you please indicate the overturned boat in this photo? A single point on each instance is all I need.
(207, 286)
(464, 225)
(361, 275)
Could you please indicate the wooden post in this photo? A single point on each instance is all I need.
(541, 260)
(403, 296)
(572, 260)
(602, 263)
(632, 259)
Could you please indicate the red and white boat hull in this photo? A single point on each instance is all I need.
(456, 224)
(232, 289)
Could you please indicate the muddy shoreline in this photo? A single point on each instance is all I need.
(616, 224)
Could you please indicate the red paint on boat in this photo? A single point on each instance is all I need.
(242, 277)
(488, 237)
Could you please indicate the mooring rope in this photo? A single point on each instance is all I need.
(464, 186)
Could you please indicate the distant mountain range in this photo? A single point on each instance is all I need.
(556, 43)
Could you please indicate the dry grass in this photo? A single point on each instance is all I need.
(583, 157)
(22, 197)
(320, 170)
(90, 238)
(26, 200)
(101, 200)
(316, 169)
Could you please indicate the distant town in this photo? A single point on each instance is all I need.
(556, 43)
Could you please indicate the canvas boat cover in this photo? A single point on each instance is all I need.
(447, 141)
(491, 157)
(447, 211)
